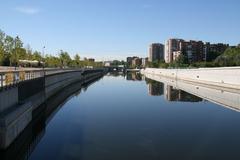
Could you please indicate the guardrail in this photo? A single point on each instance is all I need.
(11, 78)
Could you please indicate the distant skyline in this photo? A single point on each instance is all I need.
(115, 29)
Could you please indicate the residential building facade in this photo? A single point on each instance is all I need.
(192, 50)
(156, 52)
(212, 50)
(144, 61)
(136, 61)
(171, 46)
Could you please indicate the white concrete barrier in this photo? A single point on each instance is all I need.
(228, 77)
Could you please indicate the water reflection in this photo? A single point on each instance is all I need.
(113, 120)
(154, 88)
(25, 144)
(176, 90)
(116, 74)
(133, 76)
(170, 93)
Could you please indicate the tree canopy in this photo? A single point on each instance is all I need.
(231, 57)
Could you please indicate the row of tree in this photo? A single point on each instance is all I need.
(12, 51)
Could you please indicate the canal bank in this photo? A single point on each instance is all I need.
(227, 77)
(126, 116)
(18, 101)
(25, 143)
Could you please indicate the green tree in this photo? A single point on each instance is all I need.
(2, 37)
(17, 52)
(28, 52)
(65, 59)
(52, 61)
(211, 56)
(231, 57)
(8, 47)
(154, 64)
(77, 60)
(37, 56)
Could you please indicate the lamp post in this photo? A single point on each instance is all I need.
(15, 53)
(43, 61)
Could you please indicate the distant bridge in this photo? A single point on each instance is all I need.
(116, 68)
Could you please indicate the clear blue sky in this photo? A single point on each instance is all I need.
(118, 28)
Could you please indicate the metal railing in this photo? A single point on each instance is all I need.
(11, 78)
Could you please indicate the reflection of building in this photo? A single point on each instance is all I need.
(228, 98)
(172, 94)
(133, 76)
(156, 52)
(155, 88)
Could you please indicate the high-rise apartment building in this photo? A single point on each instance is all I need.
(156, 52)
(144, 62)
(171, 46)
(136, 62)
(129, 61)
(192, 50)
(213, 50)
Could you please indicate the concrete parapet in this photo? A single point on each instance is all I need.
(227, 77)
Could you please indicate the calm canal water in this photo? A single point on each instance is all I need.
(126, 118)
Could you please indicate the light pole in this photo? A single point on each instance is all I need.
(15, 53)
(43, 61)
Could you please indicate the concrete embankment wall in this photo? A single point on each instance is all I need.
(18, 102)
(228, 77)
(53, 83)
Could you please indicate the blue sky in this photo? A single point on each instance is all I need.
(108, 29)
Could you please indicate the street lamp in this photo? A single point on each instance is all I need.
(43, 56)
(15, 53)
(43, 61)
